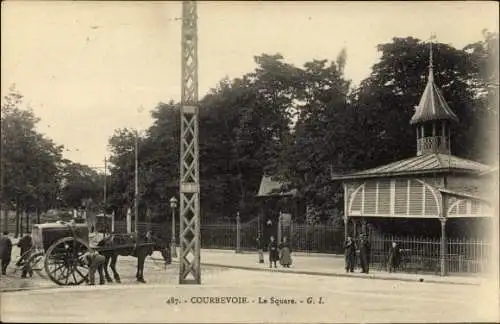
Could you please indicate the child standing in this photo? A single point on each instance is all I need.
(286, 253)
(273, 252)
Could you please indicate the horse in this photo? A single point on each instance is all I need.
(128, 245)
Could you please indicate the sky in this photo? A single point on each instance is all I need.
(88, 68)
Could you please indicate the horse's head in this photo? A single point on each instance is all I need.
(161, 246)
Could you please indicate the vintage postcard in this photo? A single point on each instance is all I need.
(249, 162)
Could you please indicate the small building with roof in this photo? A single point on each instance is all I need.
(433, 187)
(276, 201)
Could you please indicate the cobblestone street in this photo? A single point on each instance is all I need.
(317, 299)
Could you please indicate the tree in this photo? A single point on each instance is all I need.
(244, 125)
(385, 101)
(319, 135)
(299, 124)
(81, 184)
(30, 161)
(484, 54)
(121, 187)
(158, 164)
(159, 160)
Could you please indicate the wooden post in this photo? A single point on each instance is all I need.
(346, 227)
(443, 246)
(363, 226)
(279, 229)
(238, 229)
(18, 216)
(129, 221)
(21, 227)
(28, 223)
(346, 218)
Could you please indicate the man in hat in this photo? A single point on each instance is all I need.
(350, 254)
(364, 253)
(25, 244)
(394, 257)
(5, 251)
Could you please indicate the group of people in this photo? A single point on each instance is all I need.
(363, 245)
(24, 244)
(350, 247)
(281, 252)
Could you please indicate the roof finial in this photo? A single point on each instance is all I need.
(431, 74)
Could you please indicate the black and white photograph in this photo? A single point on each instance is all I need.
(249, 162)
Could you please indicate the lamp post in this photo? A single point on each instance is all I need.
(173, 249)
(136, 187)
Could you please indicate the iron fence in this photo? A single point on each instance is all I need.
(423, 255)
(316, 238)
(419, 255)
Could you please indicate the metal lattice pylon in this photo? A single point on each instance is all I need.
(189, 234)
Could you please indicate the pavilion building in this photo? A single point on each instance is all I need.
(433, 187)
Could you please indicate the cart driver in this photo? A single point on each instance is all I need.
(95, 261)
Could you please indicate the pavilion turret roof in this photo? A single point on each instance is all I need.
(432, 105)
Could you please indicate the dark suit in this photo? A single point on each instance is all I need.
(364, 254)
(5, 252)
(25, 244)
(273, 253)
(350, 255)
(394, 258)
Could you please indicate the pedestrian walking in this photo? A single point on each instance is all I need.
(25, 244)
(285, 253)
(364, 253)
(95, 261)
(5, 251)
(273, 252)
(260, 248)
(350, 254)
(394, 257)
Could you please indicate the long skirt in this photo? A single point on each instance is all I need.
(273, 256)
(286, 258)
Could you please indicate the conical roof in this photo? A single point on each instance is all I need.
(432, 105)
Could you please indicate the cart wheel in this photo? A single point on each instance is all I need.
(62, 263)
(35, 262)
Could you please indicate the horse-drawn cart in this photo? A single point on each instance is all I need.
(63, 245)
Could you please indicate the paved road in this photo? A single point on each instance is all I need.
(154, 272)
(330, 265)
(342, 300)
(309, 264)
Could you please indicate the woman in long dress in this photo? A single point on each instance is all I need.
(285, 253)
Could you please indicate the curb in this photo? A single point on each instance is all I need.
(332, 274)
(9, 290)
(308, 254)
